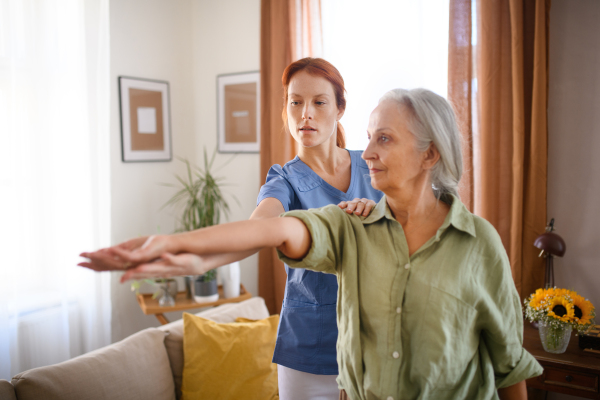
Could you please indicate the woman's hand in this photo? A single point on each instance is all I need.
(171, 265)
(108, 259)
(358, 206)
(127, 254)
(152, 249)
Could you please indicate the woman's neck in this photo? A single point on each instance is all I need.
(325, 158)
(415, 205)
(420, 213)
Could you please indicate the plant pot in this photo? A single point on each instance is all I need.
(205, 292)
(555, 339)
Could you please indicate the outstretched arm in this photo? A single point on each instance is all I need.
(289, 235)
(170, 264)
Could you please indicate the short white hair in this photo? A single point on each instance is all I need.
(433, 120)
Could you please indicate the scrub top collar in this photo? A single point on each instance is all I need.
(354, 171)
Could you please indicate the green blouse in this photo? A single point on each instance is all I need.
(445, 323)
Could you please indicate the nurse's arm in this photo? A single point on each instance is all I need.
(288, 234)
(192, 264)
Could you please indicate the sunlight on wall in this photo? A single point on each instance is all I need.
(382, 45)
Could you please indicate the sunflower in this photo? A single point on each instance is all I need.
(537, 298)
(583, 310)
(561, 292)
(561, 308)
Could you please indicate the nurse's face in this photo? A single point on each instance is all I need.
(312, 111)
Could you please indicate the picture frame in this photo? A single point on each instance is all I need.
(238, 112)
(145, 120)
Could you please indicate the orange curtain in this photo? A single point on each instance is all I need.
(501, 94)
(290, 29)
(460, 76)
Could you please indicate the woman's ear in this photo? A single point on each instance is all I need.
(340, 114)
(431, 156)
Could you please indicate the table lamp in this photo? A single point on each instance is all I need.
(552, 246)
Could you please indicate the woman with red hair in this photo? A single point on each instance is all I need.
(322, 173)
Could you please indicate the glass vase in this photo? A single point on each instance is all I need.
(168, 288)
(555, 339)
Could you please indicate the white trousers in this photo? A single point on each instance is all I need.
(297, 385)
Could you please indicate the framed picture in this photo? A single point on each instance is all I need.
(145, 120)
(238, 110)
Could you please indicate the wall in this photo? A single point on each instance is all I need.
(187, 43)
(574, 137)
(226, 39)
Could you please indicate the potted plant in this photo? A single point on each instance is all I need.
(203, 206)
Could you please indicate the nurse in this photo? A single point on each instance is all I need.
(322, 173)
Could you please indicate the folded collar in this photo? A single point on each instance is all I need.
(459, 217)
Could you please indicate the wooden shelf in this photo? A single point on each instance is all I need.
(150, 306)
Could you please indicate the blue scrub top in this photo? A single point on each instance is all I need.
(307, 333)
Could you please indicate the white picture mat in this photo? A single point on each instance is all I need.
(234, 79)
(144, 155)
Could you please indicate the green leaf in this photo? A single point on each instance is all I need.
(199, 196)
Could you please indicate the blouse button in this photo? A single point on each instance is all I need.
(407, 266)
(398, 310)
(395, 354)
(390, 398)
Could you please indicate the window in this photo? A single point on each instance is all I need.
(381, 45)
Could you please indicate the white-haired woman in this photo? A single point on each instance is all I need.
(427, 308)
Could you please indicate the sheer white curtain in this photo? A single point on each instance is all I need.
(54, 187)
(379, 45)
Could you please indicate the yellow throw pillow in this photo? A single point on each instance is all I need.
(229, 360)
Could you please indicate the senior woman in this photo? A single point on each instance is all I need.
(427, 308)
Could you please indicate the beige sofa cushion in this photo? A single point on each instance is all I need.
(135, 368)
(7, 392)
(254, 308)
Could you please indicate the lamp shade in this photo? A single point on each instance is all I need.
(551, 243)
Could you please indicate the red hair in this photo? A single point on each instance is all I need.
(323, 69)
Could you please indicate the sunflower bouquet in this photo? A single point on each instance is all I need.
(559, 311)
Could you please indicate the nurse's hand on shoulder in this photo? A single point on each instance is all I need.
(358, 206)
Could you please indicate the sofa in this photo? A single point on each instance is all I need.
(145, 365)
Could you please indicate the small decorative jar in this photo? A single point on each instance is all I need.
(555, 339)
(169, 292)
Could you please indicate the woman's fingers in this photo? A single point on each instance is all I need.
(103, 260)
(150, 250)
(111, 258)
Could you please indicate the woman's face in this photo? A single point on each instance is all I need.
(311, 109)
(395, 163)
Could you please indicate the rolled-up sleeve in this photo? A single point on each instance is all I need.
(501, 323)
(328, 228)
